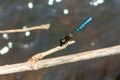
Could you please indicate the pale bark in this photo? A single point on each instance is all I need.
(39, 64)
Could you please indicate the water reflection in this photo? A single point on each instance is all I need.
(58, 0)
(5, 36)
(10, 45)
(51, 2)
(30, 5)
(27, 40)
(65, 11)
(4, 50)
(27, 33)
(6, 44)
(92, 44)
(96, 2)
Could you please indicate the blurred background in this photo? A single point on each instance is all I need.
(64, 16)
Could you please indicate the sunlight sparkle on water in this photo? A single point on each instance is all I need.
(24, 27)
(50, 2)
(96, 2)
(30, 5)
(65, 11)
(58, 0)
(4, 50)
(5, 36)
(92, 44)
(27, 33)
(10, 44)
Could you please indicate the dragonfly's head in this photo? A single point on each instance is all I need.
(66, 39)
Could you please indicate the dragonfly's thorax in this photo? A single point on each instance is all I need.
(66, 39)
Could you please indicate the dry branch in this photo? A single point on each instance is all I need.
(27, 66)
(39, 56)
(46, 26)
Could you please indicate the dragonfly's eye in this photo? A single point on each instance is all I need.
(62, 42)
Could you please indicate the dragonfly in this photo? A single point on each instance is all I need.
(69, 37)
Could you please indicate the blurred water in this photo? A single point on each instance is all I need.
(64, 16)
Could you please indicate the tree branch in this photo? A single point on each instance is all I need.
(46, 26)
(29, 66)
(39, 56)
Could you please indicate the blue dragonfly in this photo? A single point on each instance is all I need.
(70, 36)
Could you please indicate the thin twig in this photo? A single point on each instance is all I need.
(27, 66)
(39, 56)
(46, 26)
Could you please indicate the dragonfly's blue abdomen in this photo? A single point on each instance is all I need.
(82, 25)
